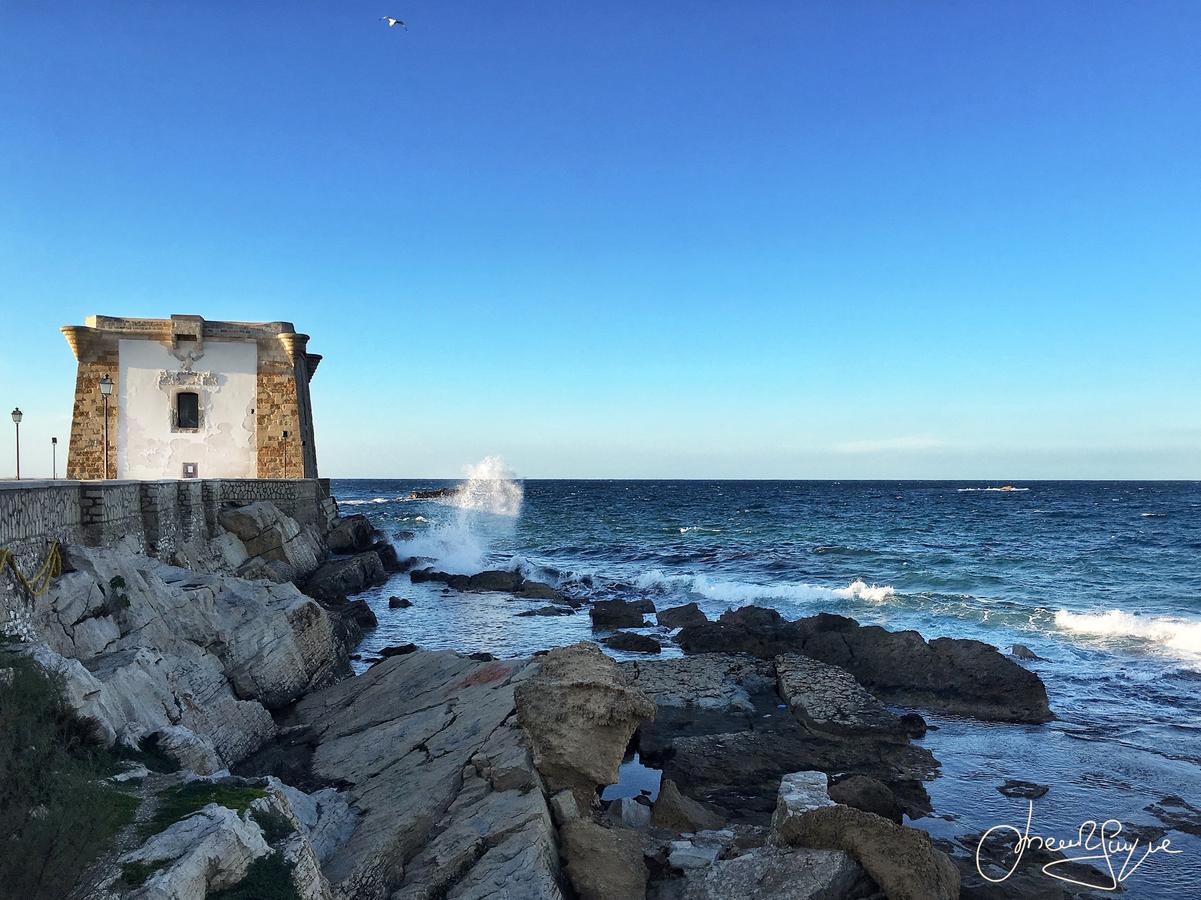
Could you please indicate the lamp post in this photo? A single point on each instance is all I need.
(17, 416)
(106, 388)
(53, 459)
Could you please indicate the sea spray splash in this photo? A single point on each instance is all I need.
(491, 487)
(486, 506)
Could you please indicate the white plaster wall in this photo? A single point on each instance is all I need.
(224, 447)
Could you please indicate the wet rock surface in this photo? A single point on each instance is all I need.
(679, 616)
(633, 642)
(724, 735)
(961, 677)
(608, 615)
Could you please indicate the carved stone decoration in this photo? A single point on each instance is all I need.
(167, 378)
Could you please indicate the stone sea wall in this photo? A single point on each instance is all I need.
(161, 518)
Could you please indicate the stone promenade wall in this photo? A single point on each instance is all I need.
(160, 518)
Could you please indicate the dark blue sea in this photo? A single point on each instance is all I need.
(1101, 579)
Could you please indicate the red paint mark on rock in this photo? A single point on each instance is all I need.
(493, 671)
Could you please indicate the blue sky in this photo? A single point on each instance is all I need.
(804, 239)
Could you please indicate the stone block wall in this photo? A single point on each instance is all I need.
(154, 517)
(85, 453)
(276, 412)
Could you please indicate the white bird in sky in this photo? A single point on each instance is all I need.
(392, 23)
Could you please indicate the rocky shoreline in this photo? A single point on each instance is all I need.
(775, 759)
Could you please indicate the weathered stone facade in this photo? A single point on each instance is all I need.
(143, 439)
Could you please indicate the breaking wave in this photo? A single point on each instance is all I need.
(1182, 635)
(742, 592)
(486, 506)
(998, 490)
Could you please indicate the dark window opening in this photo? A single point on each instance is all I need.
(187, 410)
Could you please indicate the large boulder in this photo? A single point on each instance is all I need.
(277, 547)
(679, 616)
(868, 794)
(632, 642)
(338, 578)
(579, 714)
(962, 677)
(350, 534)
(209, 653)
(603, 863)
(902, 861)
(609, 615)
(539, 590)
(495, 580)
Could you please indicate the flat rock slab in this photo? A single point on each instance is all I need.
(828, 698)
(426, 747)
(771, 873)
(712, 681)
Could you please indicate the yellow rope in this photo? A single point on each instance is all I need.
(51, 568)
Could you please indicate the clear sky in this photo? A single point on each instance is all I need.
(693, 239)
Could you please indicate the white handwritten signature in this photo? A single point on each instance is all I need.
(1100, 840)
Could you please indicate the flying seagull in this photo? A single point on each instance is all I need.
(392, 23)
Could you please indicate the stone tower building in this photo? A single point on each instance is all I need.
(191, 399)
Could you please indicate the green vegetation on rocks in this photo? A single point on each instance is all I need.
(275, 826)
(177, 803)
(268, 878)
(134, 874)
(58, 812)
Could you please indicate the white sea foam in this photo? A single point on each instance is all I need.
(732, 591)
(366, 502)
(1182, 635)
(860, 590)
(700, 528)
(998, 490)
(486, 506)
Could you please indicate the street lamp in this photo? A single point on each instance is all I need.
(53, 459)
(106, 388)
(17, 416)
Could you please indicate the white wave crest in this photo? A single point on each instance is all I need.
(860, 590)
(365, 502)
(997, 490)
(700, 528)
(739, 592)
(1183, 635)
(486, 506)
